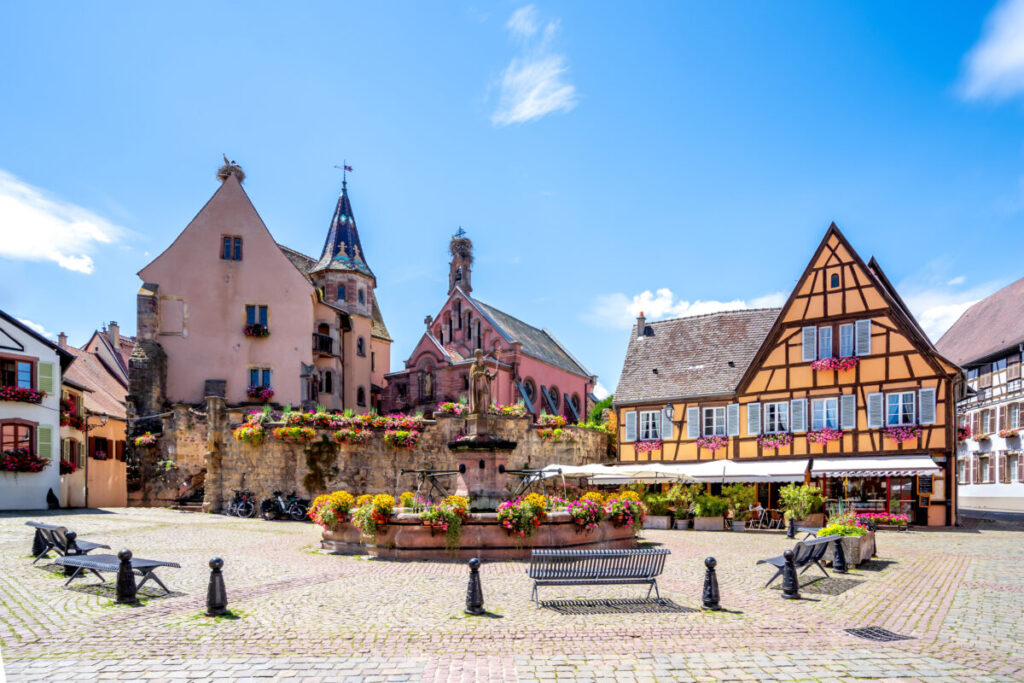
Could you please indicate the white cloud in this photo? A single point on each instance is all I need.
(937, 308)
(37, 227)
(535, 83)
(620, 311)
(994, 67)
(38, 328)
(958, 280)
(601, 391)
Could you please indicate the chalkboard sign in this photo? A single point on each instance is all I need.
(924, 501)
(924, 485)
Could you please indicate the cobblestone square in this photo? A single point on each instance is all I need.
(302, 615)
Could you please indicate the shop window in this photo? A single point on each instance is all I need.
(714, 421)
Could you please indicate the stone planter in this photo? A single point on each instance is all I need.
(815, 519)
(739, 525)
(658, 522)
(857, 549)
(682, 524)
(707, 524)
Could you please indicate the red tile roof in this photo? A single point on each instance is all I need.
(986, 328)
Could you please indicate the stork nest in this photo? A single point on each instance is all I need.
(230, 168)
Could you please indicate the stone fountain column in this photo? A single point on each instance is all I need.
(481, 460)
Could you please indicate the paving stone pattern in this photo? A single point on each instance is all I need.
(302, 615)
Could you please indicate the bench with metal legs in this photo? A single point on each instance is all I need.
(596, 567)
(110, 563)
(806, 554)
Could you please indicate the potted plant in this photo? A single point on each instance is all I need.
(585, 513)
(858, 542)
(658, 516)
(708, 512)
(681, 496)
(372, 518)
(740, 497)
(803, 503)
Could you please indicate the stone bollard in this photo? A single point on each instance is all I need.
(838, 557)
(474, 592)
(71, 549)
(790, 582)
(126, 579)
(791, 530)
(38, 544)
(216, 594)
(709, 600)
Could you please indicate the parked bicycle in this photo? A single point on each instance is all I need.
(279, 506)
(243, 504)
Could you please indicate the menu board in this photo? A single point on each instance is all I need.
(924, 485)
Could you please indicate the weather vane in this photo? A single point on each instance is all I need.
(345, 168)
(460, 233)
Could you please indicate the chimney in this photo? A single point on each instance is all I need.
(641, 325)
(114, 335)
(62, 340)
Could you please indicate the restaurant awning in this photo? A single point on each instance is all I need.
(881, 466)
(617, 474)
(746, 471)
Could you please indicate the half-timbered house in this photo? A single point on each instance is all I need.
(840, 386)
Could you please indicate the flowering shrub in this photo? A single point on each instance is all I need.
(546, 420)
(647, 446)
(259, 392)
(521, 516)
(712, 443)
(901, 433)
(886, 518)
(508, 410)
(294, 418)
(837, 364)
(407, 499)
(594, 496)
(67, 467)
(824, 435)
(557, 434)
(147, 439)
(322, 419)
(401, 438)
(21, 460)
(536, 500)
(779, 440)
(625, 512)
(251, 432)
(585, 513)
(963, 432)
(256, 330)
(364, 499)
(1009, 433)
(22, 394)
(294, 433)
(352, 435)
(331, 509)
(372, 518)
(835, 529)
(451, 408)
(558, 503)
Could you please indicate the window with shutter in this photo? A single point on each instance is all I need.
(863, 337)
(692, 423)
(798, 414)
(46, 377)
(649, 423)
(926, 406)
(848, 411)
(991, 470)
(81, 454)
(44, 438)
(667, 415)
(631, 426)
(824, 342)
(976, 423)
(809, 344)
(875, 416)
(733, 420)
(975, 470)
(846, 340)
(753, 419)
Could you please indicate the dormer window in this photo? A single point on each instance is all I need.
(231, 249)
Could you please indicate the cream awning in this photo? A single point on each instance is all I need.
(622, 473)
(746, 471)
(881, 466)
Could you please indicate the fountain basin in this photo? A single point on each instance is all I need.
(407, 538)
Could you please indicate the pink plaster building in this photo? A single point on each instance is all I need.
(531, 364)
(227, 311)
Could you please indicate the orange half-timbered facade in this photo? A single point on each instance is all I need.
(841, 381)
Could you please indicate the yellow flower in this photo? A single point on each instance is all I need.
(628, 495)
(342, 499)
(457, 501)
(407, 499)
(594, 496)
(536, 500)
(384, 503)
(364, 499)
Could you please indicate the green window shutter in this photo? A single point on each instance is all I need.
(46, 377)
(44, 440)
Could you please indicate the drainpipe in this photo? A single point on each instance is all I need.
(341, 354)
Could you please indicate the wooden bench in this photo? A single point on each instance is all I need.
(111, 563)
(806, 553)
(60, 540)
(596, 568)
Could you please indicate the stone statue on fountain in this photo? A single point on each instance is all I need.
(479, 385)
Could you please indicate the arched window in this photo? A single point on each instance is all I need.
(362, 296)
(360, 347)
(835, 280)
(360, 396)
(328, 382)
(576, 404)
(458, 314)
(479, 339)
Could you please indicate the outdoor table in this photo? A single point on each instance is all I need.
(111, 563)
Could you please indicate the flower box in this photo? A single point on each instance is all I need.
(779, 440)
(902, 433)
(836, 364)
(260, 393)
(21, 394)
(647, 446)
(712, 443)
(21, 460)
(1009, 433)
(963, 433)
(257, 330)
(857, 549)
(824, 435)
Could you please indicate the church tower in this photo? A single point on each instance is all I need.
(342, 275)
(461, 267)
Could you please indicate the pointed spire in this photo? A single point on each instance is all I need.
(342, 249)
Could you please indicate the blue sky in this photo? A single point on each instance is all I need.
(671, 157)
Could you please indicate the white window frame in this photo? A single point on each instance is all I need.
(984, 469)
(846, 340)
(1012, 468)
(961, 471)
(649, 426)
(717, 414)
(827, 405)
(775, 417)
(901, 403)
(1013, 416)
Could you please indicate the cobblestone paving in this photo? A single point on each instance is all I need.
(305, 616)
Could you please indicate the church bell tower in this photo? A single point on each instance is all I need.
(461, 266)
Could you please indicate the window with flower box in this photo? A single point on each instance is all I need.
(714, 421)
(650, 421)
(899, 409)
(259, 377)
(15, 436)
(776, 417)
(256, 314)
(17, 373)
(825, 413)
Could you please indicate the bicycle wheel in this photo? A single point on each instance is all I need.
(230, 510)
(269, 510)
(246, 509)
(297, 511)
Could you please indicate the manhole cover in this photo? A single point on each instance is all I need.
(642, 606)
(879, 635)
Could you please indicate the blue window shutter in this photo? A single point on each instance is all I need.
(809, 343)
(631, 426)
(692, 422)
(263, 315)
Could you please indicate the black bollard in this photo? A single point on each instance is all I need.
(216, 594)
(71, 549)
(710, 598)
(790, 582)
(474, 592)
(838, 557)
(791, 531)
(38, 544)
(873, 528)
(126, 579)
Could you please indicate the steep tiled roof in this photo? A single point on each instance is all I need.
(342, 249)
(536, 342)
(107, 393)
(989, 326)
(379, 329)
(698, 356)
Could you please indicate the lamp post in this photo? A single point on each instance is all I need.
(103, 417)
